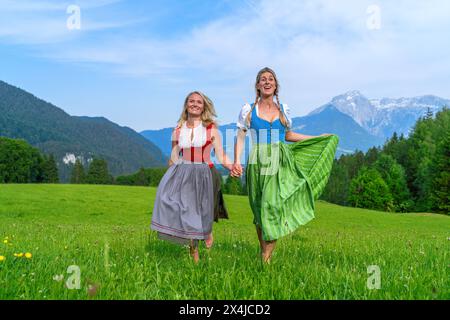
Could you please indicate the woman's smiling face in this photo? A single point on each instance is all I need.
(195, 105)
(267, 84)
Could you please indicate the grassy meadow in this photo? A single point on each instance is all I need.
(104, 230)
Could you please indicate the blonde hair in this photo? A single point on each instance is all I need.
(208, 115)
(283, 119)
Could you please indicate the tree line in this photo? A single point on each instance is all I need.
(22, 163)
(404, 175)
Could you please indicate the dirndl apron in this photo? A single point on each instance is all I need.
(186, 200)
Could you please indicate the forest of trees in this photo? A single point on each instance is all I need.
(22, 163)
(405, 175)
(152, 177)
(234, 186)
(144, 177)
(53, 131)
(97, 173)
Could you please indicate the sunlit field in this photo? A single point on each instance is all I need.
(50, 232)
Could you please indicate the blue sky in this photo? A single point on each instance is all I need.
(133, 62)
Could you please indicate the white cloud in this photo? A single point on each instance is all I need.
(319, 48)
(45, 22)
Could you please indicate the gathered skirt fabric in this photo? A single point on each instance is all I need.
(284, 180)
(220, 210)
(184, 204)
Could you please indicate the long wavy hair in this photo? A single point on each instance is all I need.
(209, 112)
(258, 96)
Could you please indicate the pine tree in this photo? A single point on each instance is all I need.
(429, 114)
(397, 148)
(394, 138)
(233, 186)
(440, 169)
(336, 190)
(371, 156)
(141, 178)
(421, 146)
(355, 163)
(78, 175)
(50, 170)
(98, 172)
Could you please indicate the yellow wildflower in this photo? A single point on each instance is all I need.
(28, 255)
(2, 258)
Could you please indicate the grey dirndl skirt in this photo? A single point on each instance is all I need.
(184, 204)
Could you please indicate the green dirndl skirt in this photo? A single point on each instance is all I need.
(284, 180)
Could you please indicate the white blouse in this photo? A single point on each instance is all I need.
(186, 141)
(246, 109)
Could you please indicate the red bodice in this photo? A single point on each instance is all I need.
(198, 154)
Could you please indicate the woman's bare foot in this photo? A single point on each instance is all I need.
(267, 254)
(193, 248)
(266, 258)
(209, 241)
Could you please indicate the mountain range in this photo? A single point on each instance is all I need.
(383, 117)
(360, 123)
(53, 131)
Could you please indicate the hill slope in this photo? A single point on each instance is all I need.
(49, 128)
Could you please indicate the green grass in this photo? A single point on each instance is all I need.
(105, 231)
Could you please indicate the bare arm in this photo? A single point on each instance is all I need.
(218, 150)
(238, 148)
(291, 136)
(175, 154)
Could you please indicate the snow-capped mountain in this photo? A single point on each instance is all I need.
(353, 104)
(352, 136)
(359, 122)
(383, 117)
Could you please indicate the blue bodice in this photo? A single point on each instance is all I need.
(263, 131)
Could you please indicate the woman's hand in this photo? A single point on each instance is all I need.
(227, 166)
(236, 170)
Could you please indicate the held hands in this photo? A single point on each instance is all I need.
(236, 170)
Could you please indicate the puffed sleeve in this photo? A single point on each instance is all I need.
(287, 113)
(242, 123)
